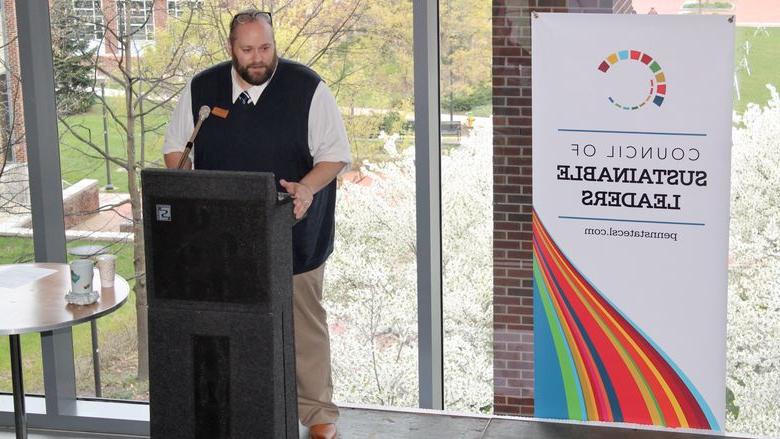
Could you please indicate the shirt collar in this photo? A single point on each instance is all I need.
(254, 92)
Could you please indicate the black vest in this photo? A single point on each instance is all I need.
(270, 136)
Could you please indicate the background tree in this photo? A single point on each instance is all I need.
(753, 336)
(149, 78)
(371, 292)
(465, 55)
(73, 57)
(144, 90)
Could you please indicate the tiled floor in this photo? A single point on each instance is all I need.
(361, 423)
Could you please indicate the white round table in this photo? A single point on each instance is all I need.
(40, 306)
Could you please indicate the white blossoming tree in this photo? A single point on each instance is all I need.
(371, 280)
(754, 276)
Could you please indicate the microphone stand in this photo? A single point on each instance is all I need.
(203, 113)
(186, 154)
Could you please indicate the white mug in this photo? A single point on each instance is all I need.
(81, 272)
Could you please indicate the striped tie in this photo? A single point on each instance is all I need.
(244, 98)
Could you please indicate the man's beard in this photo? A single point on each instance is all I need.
(255, 78)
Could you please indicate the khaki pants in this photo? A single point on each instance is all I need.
(312, 350)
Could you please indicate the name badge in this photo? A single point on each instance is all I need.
(220, 112)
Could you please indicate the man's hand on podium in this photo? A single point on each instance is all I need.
(302, 196)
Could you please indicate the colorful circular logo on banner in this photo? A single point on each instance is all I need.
(656, 91)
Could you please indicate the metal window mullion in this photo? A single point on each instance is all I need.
(43, 164)
(428, 184)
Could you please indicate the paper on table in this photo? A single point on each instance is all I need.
(16, 276)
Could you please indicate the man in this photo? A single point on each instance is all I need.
(274, 115)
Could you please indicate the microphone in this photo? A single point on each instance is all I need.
(203, 113)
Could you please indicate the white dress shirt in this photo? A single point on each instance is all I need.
(327, 135)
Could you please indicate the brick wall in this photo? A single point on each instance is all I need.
(160, 13)
(512, 256)
(111, 21)
(80, 202)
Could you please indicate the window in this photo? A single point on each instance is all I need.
(141, 18)
(178, 7)
(89, 14)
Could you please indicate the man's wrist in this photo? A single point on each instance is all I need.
(311, 190)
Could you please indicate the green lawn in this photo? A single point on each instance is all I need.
(762, 58)
(80, 161)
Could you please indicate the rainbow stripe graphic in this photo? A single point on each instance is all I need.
(592, 362)
(657, 89)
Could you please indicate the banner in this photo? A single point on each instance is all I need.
(631, 149)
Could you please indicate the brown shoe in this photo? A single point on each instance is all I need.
(322, 431)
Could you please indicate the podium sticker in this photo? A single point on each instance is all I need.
(163, 212)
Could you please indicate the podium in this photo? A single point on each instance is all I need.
(219, 284)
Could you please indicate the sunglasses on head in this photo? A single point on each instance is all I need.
(246, 17)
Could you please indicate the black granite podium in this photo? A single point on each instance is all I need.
(219, 283)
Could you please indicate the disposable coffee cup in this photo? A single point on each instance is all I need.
(106, 265)
(81, 272)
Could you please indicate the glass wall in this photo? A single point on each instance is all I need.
(371, 285)
(111, 127)
(467, 203)
(753, 332)
(753, 337)
(362, 51)
(93, 160)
